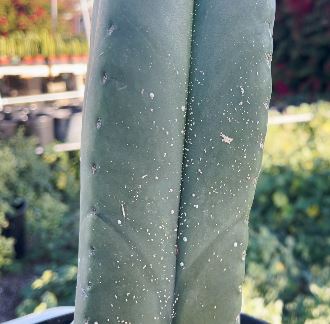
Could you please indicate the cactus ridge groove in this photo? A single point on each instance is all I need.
(187, 101)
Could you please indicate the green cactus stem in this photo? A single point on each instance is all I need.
(175, 115)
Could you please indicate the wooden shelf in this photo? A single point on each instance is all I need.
(41, 98)
(43, 70)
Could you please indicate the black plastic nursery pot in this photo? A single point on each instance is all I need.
(42, 126)
(67, 123)
(8, 126)
(61, 123)
(47, 124)
(16, 226)
(64, 315)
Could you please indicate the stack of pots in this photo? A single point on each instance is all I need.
(47, 124)
(67, 122)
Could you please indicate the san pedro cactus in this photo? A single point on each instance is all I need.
(174, 123)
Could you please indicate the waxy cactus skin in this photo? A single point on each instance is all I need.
(175, 116)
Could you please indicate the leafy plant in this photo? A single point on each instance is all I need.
(3, 46)
(50, 186)
(256, 305)
(47, 44)
(27, 15)
(19, 45)
(286, 260)
(53, 288)
(23, 15)
(60, 45)
(7, 175)
(6, 244)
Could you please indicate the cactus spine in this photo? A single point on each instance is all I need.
(163, 241)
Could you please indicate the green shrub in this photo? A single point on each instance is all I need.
(53, 288)
(288, 276)
(27, 15)
(6, 244)
(256, 305)
(50, 186)
(7, 175)
(290, 228)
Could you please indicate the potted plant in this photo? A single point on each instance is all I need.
(18, 38)
(84, 51)
(52, 59)
(38, 58)
(75, 51)
(11, 50)
(35, 45)
(4, 59)
(48, 47)
(27, 55)
(61, 51)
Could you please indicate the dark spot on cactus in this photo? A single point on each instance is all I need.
(104, 77)
(98, 123)
(112, 27)
(92, 251)
(93, 168)
(84, 293)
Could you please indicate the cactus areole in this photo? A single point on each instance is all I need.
(175, 116)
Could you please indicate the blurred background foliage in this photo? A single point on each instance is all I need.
(288, 268)
(24, 15)
(301, 61)
(50, 186)
(27, 15)
(288, 264)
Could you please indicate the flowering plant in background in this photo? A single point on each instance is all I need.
(301, 63)
(34, 15)
(24, 15)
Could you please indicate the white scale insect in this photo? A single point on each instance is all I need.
(226, 139)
